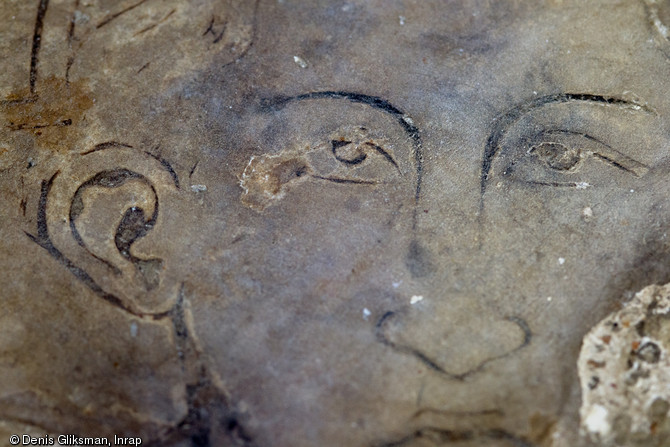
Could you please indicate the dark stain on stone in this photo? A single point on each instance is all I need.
(53, 117)
(418, 260)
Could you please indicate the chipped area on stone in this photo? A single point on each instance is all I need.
(267, 178)
(415, 299)
(300, 61)
(624, 369)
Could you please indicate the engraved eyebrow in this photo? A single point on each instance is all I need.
(507, 119)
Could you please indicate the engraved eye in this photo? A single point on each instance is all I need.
(354, 147)
(564, 155)
(566, 159)
(556, 155)
(343, 138)
(348, 152)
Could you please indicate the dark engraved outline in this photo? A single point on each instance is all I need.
(143, 67)
(423, 358)
(192, 171)
(37, 42)
(203, 393)
(504, 121)
(360, 158)
(345, 180)
(446, 436)
(279, 102)
(111, 17)
(21, 126)
(116, 145)
(70, 38)
(73, 24)
(380, 150)
(210, 30)
(19, 101)
(608, 158)
(44, 240)
(336, 144)
(167, 166)
(106, 145)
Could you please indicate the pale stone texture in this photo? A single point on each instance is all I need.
(624, 369)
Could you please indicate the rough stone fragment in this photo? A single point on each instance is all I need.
(624, 369)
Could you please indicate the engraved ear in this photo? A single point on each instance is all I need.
(134, 223)
(100, 217)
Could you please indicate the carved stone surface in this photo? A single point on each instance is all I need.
(334, 223)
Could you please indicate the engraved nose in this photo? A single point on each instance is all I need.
(444, 335)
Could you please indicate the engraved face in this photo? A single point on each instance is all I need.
(524, 230)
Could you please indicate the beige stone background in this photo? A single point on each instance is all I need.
(325, 223)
